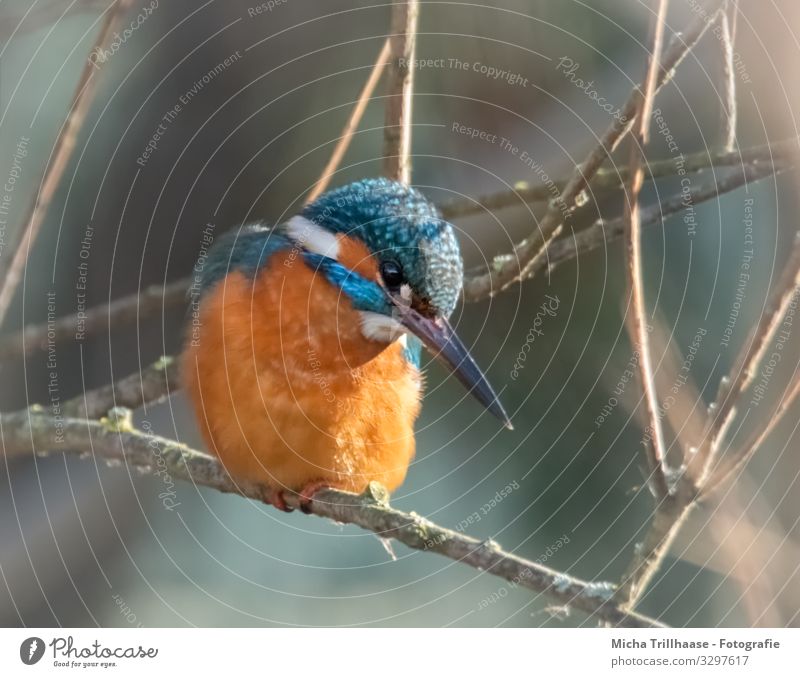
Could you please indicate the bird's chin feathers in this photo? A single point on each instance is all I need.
(378, 327)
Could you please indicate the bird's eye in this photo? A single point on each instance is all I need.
(392, 274)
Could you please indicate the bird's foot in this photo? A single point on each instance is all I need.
(307, 493)
(278, 499)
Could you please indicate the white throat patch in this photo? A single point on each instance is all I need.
(312, 237)
(380, 327)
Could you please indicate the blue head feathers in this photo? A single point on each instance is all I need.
(398, 224)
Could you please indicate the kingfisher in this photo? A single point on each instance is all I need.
(303, 360)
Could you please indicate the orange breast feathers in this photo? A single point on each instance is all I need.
(287, 390)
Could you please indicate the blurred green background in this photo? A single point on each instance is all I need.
(82, 544)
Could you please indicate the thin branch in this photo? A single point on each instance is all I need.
(351, 126)
(155, 299)
(727, 23)
(397, 127)
(608, 180)
(510, 269)
(655, 449)
(114, 439)
(638, 577)
(150, 386)
(11, 274)
(119, 312)
(758, 438)
(723, 410)
(603, 232)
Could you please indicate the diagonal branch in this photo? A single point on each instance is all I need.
(727, 22)
(723, 409)
(397, 127)
(607, 180)
(510, 269)
(603, 232)
(119, 312)
(351, 126)
(11, 274)
(655, 449)
(114, 439)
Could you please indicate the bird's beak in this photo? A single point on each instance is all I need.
(438, 336)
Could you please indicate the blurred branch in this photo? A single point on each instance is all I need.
(723, 410)
(121, 311)
(114, 439)
(151, 385)
(515, 267)
(352, 125)
(727, 23)
(603, 232)
(613, 179)
(755, 163)
(758, 438)
(700, 475)
(655, 450)
(397, 126)
(11, 274)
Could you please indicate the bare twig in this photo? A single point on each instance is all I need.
(114, 439)
(727, 22)
(151, 385)
(602, 233)
(721, 477)
(509, 269)
(723, 410)
(613, 179)
(351, 126)
(674, 509)
(119, 312)
(397, 127)
(11, 274)
(655, 449)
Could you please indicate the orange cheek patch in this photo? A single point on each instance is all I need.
(353, 254)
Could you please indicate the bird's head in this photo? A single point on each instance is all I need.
(398, 262)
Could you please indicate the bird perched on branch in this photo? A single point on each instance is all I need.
(303, 358)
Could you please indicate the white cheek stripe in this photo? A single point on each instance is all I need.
(381, 327)
(312, 237)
